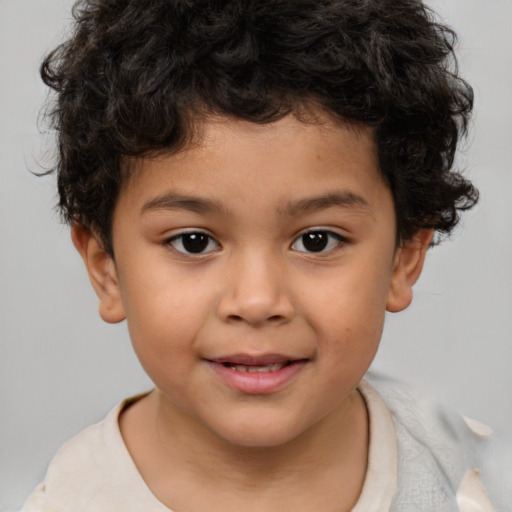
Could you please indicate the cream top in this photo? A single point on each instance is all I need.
(111, 480)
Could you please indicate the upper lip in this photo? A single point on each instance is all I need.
(255, 360)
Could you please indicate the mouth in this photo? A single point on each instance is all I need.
(263, 368)
(257, 375)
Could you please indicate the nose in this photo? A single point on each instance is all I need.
(255, 291)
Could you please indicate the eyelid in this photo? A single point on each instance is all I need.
(186, 231)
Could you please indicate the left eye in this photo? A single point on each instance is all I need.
(317, 241)
(195, 242)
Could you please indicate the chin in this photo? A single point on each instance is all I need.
(259, 434)
(258, 440)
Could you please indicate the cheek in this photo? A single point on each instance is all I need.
(165, 347)
(353, 305)
(349, 316)
(163, 320)
(162, 297)
(349, 344)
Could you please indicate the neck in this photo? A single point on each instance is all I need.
(325, 463)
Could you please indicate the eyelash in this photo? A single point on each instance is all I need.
(177, 242)
(331, 240)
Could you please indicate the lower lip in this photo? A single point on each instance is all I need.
(257, 383)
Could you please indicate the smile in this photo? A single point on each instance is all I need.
(254, 376)
(273, 367)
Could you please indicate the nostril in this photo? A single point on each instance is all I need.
(255, 308)
(240, 318)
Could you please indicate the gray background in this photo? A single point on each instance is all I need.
(61, 368)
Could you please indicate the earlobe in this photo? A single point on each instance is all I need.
(102, 273)
(407, 267)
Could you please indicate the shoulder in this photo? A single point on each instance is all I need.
(442, 451)
(89, 472)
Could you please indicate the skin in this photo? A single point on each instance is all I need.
(255, 290)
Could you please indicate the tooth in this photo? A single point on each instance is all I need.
(266, 368)
(272, 367)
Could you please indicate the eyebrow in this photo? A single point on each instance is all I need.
(172, 201)
(344, 199)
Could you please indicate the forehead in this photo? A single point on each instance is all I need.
(281, 164)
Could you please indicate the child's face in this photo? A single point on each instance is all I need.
(254, 271)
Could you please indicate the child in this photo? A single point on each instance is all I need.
(251, 185)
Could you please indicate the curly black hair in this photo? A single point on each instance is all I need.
(136, 73)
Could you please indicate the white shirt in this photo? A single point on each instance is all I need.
(94, 472)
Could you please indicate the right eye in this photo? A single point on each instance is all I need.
(193, 242)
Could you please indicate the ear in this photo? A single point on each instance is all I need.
(102, 273)
(407, 267)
